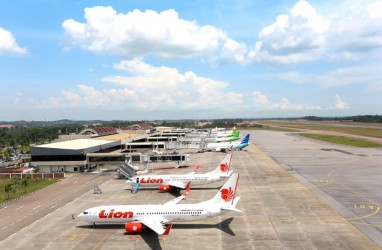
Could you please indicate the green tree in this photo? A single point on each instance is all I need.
(9, 188)
(15, 182)
(25, 184)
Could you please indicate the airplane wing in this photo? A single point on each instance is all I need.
(177, 184)
(154, 223)
(179, 198)
(175, 200)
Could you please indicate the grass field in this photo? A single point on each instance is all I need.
(343, 140)
(334, 127)
(33, 185)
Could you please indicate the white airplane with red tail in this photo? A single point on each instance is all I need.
(156, 217)
(166, 182)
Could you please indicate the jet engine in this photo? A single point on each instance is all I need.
(134, 227)
(164, 188)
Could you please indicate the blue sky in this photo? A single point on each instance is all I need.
(144, 59)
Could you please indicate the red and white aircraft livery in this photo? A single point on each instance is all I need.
(166, 182)
(156, 216)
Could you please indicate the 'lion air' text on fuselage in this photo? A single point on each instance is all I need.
(113, 214)
(151, 180)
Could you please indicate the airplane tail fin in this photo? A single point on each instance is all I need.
(226, 195)
(245, 139)
(223, 168)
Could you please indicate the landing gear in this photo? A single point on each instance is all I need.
(94, 225)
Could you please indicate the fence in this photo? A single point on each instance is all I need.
(33, 175)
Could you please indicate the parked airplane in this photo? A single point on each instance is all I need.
(224, 134)
(224, 146)
(156, 216)
(233, 137)
(166, 182)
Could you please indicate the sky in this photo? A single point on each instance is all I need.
(195, 59)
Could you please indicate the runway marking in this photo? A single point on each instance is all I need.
(325, 183)
(53, 206)
(362, 206)
(104, 238)
(36, 207)
(74, 236)
(282, 245)
(19, 208)
(348, 188)
(365, 216)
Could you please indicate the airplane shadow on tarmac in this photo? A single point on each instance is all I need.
(153, 240)
(175, 192)
(224, 226)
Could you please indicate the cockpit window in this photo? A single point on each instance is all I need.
(85, 212)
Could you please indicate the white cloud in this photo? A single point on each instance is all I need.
(259, 99)
(357, 33)
(137, 34)
(8, 44)
(233, 51)
(152, 88)
(303, 34)
(294, 37)
(340, 104)
(261, 102)
(367, 75)
(375, 9)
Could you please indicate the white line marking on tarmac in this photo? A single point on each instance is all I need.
(36, 207)
(19, 208)
(53, 206)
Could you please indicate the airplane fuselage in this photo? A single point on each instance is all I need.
(164, 213)
(195, 179)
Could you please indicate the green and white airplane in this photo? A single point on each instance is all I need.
(235, 135)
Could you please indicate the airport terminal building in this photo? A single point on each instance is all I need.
(80, 154)
(70, 156)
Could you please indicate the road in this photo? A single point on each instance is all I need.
(20, 213)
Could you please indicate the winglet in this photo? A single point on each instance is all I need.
(187, 189)
(196, 168)
(167, 231)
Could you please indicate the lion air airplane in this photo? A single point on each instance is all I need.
(166, 182)
(156, 216)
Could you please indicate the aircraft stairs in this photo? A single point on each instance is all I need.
(125, 171)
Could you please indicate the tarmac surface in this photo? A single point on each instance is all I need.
(279, 212)
(348, 178)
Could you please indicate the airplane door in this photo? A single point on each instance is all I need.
(209, 214)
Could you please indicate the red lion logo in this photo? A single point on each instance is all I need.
(224, 167)
(227, 194)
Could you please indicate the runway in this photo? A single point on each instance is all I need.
(347, 178)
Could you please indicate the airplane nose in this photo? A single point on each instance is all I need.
(130, 182)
